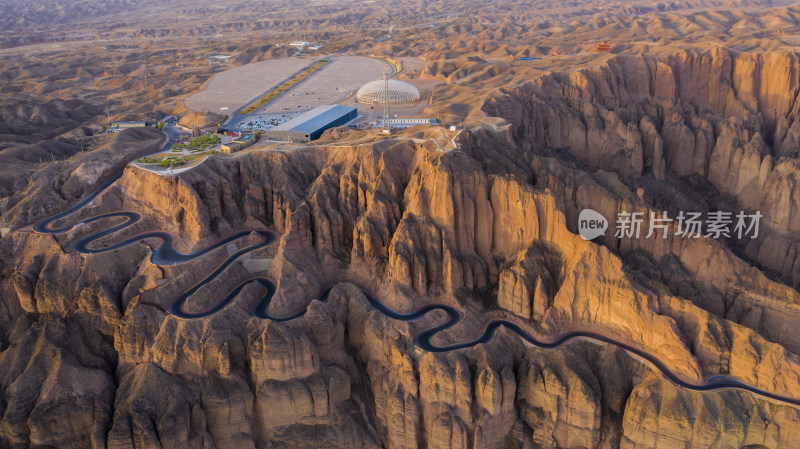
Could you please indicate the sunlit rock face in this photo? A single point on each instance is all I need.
(424, 227)
(90, 356)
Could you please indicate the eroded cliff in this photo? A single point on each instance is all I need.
(489, 229)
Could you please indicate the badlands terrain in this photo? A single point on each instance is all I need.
(695, 108)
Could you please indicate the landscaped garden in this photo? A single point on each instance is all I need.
(200, 143)
(185, 152)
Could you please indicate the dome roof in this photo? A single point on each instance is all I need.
(399, 92)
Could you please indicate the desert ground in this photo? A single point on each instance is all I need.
(408, 290)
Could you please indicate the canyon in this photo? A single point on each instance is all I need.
(90, 355)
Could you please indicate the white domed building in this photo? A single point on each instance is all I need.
(399, 92)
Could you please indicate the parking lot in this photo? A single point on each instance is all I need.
(262, 122)
(234, 88)
(333, 83)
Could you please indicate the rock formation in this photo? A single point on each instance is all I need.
(90, 357)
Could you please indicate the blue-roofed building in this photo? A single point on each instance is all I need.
(310, 125)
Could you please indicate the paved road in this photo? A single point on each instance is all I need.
(172, 130)
(166, 254)
(424, 341)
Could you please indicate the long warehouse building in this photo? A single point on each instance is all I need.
(310, 125)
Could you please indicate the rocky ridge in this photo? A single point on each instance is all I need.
(489, 229)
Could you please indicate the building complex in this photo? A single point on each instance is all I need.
(310, 125)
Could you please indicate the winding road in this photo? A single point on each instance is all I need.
(166, 254)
